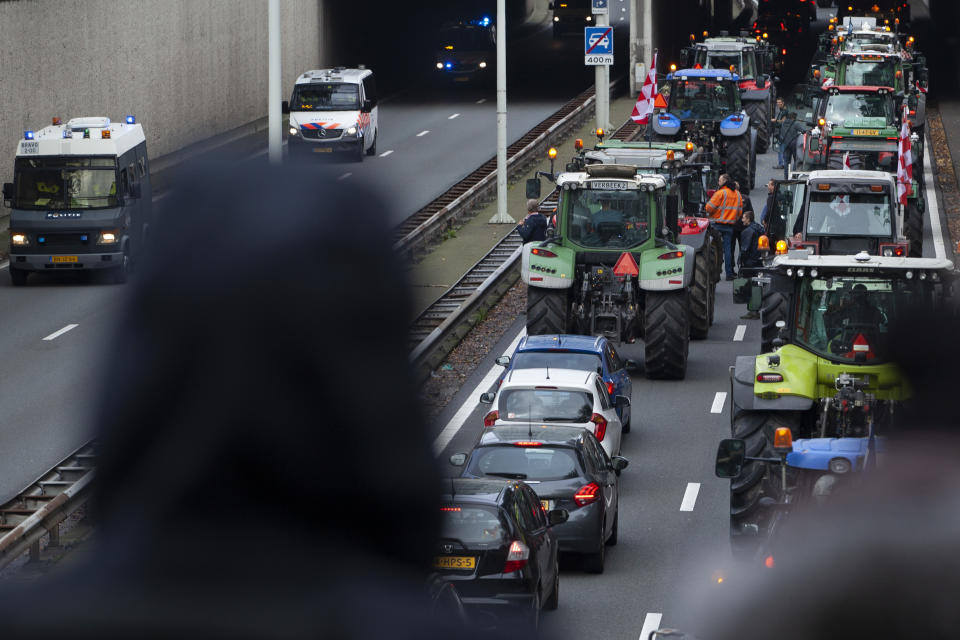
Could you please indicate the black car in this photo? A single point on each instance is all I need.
(497, 546)
(568, 469)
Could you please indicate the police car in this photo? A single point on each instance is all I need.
(80, 198)
(333, 110)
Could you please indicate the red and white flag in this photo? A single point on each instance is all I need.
(648, 93)
(846, 161)
(905, 166)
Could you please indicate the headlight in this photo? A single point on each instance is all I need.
(352, 131)
(589, 18)
(19, 239)
(439, 65)
(107, 237)
(483, 65)
(556, 19)
(839, 465)
(293, 131)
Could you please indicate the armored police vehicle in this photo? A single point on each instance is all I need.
(80, 198)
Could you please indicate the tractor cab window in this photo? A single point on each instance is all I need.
(787, 204)
(849, 214)
(740, 64)
(877, 74)
(702, 99)
(844, 107)
(608, 219)
(848, 318)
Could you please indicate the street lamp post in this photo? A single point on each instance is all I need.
(501, 217)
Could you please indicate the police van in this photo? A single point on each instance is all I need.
(80, 198)
(333, 110)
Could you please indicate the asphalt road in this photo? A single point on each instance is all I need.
(431, 136)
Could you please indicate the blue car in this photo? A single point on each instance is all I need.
(582, 353)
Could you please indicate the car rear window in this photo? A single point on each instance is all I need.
(557, 360)
(537, 463)
(472, 525)
(545, 405)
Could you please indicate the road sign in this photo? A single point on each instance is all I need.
(598, 45)
(599, 7)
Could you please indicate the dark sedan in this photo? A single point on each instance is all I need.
(568, 469)
(498, 548)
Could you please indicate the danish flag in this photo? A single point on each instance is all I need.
(905, 166)
(648, 93)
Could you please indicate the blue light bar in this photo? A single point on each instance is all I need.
(131, 120)
(28, 135)
(448, 65)
(485, 21)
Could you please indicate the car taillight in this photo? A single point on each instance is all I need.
(587, 494)
(610, 388)
(600, 429)
(517, 557)
(491, 418)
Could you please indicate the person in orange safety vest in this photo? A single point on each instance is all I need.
(724, 209)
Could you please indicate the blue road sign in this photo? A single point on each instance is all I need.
(598, 6)
(598, 45)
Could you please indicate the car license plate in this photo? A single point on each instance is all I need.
(64, 259)
(322, 149)
(461, 79)
(866, 132)
(546, 505)
(454, 562)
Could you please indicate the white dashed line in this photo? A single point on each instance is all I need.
(345, 176)
(739, 333)
(456, 115)
(690, 496)
(718, 401)
(423, 133)
(650, 624)
(460, 417)
(386, 153)
(57, 334)
(935, 231)
(481, 100)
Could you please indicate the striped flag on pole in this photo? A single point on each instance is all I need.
(846, 161)
(648, 93)
(905, 165)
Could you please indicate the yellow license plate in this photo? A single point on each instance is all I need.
(322, 150)
(64, 259)
(545, 504)
(454, 562)
(866, 132)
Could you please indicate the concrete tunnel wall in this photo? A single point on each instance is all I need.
(188, 69)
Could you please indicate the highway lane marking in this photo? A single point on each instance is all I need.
(423, 133)
(345, 176)
(481, 100)
(739, 333)
(690, 496)
(650, 624)
(935, 229)
(57, 334)
(386, 153)
(460, 417)
(456, 115)
(718, 401)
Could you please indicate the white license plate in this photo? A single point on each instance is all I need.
(608, 184)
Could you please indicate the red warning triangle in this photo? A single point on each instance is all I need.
(626, 266)
(860, 345)
(659, 102)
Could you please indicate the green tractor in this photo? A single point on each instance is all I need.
(828, 379)
(613, 265)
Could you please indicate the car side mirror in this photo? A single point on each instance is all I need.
(533, 188)
(487, 398)
(458, 459)
(619, 463)
(135, 190)
(631, 365)
(730, 455)
(285, 107)
(622, 402)
(557, 516)
(7, 191)
(549, 6)
(503, 361)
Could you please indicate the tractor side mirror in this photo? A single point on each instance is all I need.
(779, 341)
(731, 453)
(814, 143)
(533, 188)
(672, 215)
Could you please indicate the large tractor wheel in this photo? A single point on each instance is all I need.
(773, 308)
(749, 516)
(546, 311)
(701, 296)
(758, 111)
(913, 227)
(666, 334)
(738, 158)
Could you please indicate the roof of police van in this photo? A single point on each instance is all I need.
(337, 74)
(705, 73)
(68, 139)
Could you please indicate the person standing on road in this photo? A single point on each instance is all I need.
(790, 134)
(779, 114)
(534, 226)
(750, 257)
(724, 208)
(769, 204)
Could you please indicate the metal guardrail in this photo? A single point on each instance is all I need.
(46, 502)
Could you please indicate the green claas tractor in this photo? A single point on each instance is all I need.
(613, 266)
(828, 378)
